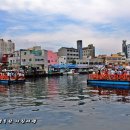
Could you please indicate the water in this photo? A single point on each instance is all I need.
(63, 103)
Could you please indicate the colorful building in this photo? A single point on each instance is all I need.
(52, 57)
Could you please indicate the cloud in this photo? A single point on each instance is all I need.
(92, 10)
(68, 36)
(62, 22)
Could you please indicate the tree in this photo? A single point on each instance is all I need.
(73, 61)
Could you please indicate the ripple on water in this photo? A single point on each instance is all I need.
(72, 99)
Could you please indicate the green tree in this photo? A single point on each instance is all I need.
(73, 61)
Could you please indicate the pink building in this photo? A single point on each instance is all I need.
(52, 58)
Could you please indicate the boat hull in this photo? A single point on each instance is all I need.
(109, 84)
(11, 81)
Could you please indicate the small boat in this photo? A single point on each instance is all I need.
(71, 72)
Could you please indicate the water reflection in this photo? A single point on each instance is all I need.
(3, 90)
(119, 95)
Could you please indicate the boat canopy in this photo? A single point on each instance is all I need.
(64, 66)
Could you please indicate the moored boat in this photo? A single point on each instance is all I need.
(71, 72)
(9, 77)
(108, 80)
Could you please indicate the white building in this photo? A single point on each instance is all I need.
(62, 60)
(32, 57)
(14, 59)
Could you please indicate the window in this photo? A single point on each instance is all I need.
(30, 59)
(25, 53)
(37, 59)
(48, 61)
(23, 60)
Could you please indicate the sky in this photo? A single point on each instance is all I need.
(60, 23)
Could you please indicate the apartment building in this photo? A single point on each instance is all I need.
(69, 53)
(33, 57)
(89, 51)
(6, 47)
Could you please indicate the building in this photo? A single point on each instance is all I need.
(79, 48)
(6, 47)
(52, 57)
(115, 59)
(44, 53)
(32, 57)
(91, 61)
(79, 54)
(62, 60)
(124, 48)
(89, 51)
(128, 51)
(14, 59)
(69, 53)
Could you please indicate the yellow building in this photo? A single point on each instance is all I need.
(115, 59)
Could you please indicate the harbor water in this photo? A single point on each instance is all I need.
(63, 103)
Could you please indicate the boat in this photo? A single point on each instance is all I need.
(114, 81)
(55, 74)
(11, 81)
(10, 77)
(71, 72)
(109, 84)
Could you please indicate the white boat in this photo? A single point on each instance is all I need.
(71, 72)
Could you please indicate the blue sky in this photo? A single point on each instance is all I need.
(56, 23)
